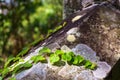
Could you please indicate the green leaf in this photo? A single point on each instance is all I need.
(37, 58)
(88, 64)
(71, 53)
(78, 59)
(8, 62)
(13, 78)
(5, 72)
(58, 27)
(21, 66)
(35, 42)
(17, 58)
(54, 58)
(24, 51)
(59, 52)
(66, 57)
(44, 50)
(11, 59)
(93, 66)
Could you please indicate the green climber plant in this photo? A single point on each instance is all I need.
(45, 54)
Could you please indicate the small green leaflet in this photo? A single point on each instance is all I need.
(44, 50)
(35, 42)
(93, 66)
(59, 52)
(13, 59)
(78, 59)
(5, 72)
(37, 58)
(24, 51)
(88, 64)
(20, 66)
(71, 53)
(13, 78)
(54, 58)
(66, 57)
(8, 62)
(57, 28)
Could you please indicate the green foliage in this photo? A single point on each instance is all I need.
(17, 64)
(5, 72)
(60, 55)
(93, 66)
(28, 21)
(0, 78)
(56, 29)
(24, 51)
(21, 66)
(78, 59)
(88, 64)
(44, 50)
(13, 78)
(16, 67)
(38, 58)
(59, 52)
(54, 58)
(8, 62)
(44, 55)
(66, 56)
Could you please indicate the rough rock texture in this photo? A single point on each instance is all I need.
(37, 72)
(85, 51)
(46, 71)
(102, 70)
(97, 27)
(84, 76)
(102, 33)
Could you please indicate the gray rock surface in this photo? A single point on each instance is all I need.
(44, 72)
(37, 72)
(47, 71)
(66, 48)
(85, 75)
(86, 52)
(102, 70)
(54, 46)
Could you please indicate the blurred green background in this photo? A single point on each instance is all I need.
(24, 21)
